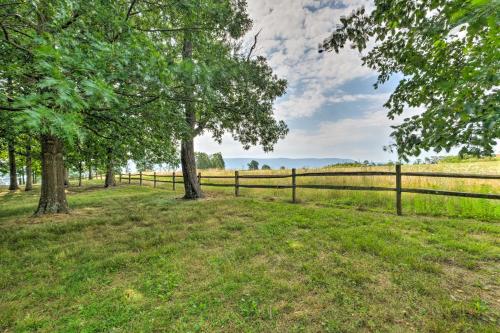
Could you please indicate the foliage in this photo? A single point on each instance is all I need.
(82, 71)
(466, 159)
(205, 161)
(253, 165)
(218, 161)
(448, 54)
(265, 167)
(128, 80)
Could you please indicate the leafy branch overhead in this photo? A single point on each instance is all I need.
(448, 54)
(109, 81)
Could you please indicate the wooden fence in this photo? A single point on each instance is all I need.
(398, 189)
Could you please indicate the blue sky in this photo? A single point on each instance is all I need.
(331, 107)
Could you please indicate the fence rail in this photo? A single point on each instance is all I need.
(398, 189)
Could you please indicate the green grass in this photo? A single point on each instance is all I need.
(138, 259)
(413, 204)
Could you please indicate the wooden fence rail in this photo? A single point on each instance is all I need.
(398, 189)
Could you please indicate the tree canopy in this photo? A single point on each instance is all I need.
(205, 161)
(253, 165)
(448, 54)
(100, 83)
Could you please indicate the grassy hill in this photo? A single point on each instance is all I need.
(138, 259)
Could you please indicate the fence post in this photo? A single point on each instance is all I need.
(140, 178)
(236, 183)
(173, 181)
(129, 178)
(294, 186)
(120, 177)
(399, 209)
(154, 179)
(199, 178)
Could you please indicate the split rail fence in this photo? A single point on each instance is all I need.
(398, 189)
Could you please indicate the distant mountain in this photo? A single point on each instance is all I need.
(289, 163)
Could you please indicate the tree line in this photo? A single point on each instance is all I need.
(214, 161)
(94, 84)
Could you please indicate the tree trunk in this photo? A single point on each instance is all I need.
(90, 171)
(80, 171)
(191, 186)
(12, 165)
(52, 196)
(110, 175)
(188, 161)
(29, 170)
(66, 177)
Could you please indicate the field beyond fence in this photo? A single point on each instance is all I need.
(474, 190)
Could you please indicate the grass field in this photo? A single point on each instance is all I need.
(414, 204)
(138, 259)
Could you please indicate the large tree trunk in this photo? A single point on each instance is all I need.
(12, 165)
(191, 186)
(52, 196)
(29, 170)
(110, 174)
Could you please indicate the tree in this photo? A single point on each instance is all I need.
(253, 165)
(75, 67)
(265, 167)
(9, 134)
(448, 54)
(218, 161)
(203, 161)
(223, 90)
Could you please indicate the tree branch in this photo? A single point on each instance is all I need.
(71, 20)
(10, 108)
(173, 29)
(130, 9)
(151, 100)
(254, 45)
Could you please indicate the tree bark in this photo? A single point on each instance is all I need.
(188, 162)
(80, 171)
(90, 171)
(191, 186)
(110, 174)
(52, 196)
(13, 185)
(29, 170)
(66, 177)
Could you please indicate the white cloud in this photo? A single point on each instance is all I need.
(308, 103)
(358, 138)
(289, 39)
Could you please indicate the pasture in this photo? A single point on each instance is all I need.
(132, 259)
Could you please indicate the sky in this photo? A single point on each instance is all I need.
(331, 107)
